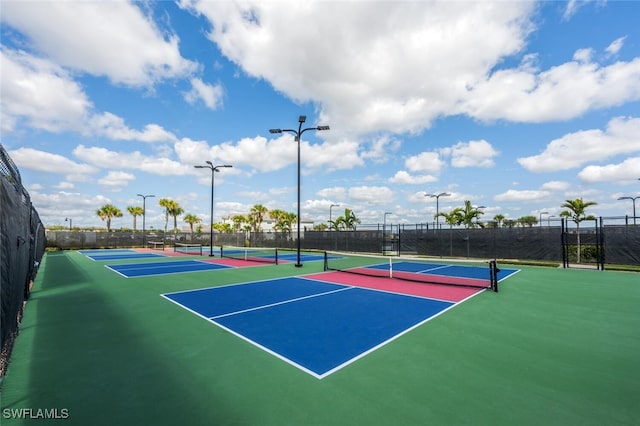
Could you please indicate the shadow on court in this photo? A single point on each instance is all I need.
(79, 351)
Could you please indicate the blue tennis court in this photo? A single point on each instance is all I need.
(130, 270)
(304, 257)
(317, 326)
(461, 271)
(117, 254)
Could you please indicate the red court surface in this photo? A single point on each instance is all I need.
(434, 291)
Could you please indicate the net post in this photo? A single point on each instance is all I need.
(276, 255)
(493, 274)
(326, 261)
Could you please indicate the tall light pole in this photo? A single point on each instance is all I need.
(541, 213)
(437, 197)
(330, 216)
(214, 170)
(634, 205)
(144, 214)
(384, 221)
(68, 219)
(298, 135)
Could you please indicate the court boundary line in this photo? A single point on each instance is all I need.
(284, 302)
(212, 320)
(218, 266)
(402, 333)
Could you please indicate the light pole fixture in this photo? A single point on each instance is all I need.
(68, 219)
(144, 214)
(330, 217)
(214, 170)
(634, 205)
(298, 135)
(437, 197)
(541, 213)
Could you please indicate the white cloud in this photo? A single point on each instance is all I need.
(628, 170)
(429, 162)
(104, 158)
(559, 93)
(571, 9)
(381, 149)
(114, 127)
(331, 156)
(402, 177)
(471, 154)
(378, 88)
(371, 194)
(46, 97)
(39, 92)
(335, 193)
(522, 196)
(32, 159)
(555, 186)
(615, 46)
(575, 149)
(583, 55)
(211, 95)
(112, 39)
(116, 179)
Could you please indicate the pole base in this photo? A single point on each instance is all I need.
(298, 265)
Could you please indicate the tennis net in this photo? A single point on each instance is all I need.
(253, 254)
(416, 270)
(188, 248)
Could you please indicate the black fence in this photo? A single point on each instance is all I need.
(601, 241)
(22, 244)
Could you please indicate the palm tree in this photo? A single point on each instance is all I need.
(348, 221)
(191, 219)
(454, 217)
(135, 211)
(256, 216)
(175, 211)
(107, 212)
(223, 227)
(576, 212)
(469, 213)
(238, 220)
(528, 220)
(498, 219)
(167, 204)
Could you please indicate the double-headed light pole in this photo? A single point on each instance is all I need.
(298, 135)
(144, 214)
(634, 205)
(214, 170)
(437, 197)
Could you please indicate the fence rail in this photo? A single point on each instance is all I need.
(608, 240)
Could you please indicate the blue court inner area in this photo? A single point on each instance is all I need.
(316, 326)
(461, 271)
(130, 270)
(118, 254)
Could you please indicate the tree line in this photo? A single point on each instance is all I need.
(468, 216)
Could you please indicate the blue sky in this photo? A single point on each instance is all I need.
(516, 106)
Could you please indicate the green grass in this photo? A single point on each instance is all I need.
(554, 347)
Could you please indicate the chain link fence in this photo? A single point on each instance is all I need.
(22, 244)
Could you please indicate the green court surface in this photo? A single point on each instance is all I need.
(553, 347)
